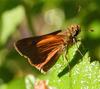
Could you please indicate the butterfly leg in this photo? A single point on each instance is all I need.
(63, 57)
(75, 41)
(67, 58)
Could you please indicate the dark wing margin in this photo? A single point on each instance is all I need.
(54, 33)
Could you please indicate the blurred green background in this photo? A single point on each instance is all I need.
(24, 18)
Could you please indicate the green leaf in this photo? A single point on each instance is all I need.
(83, 75)
(17, 84)
(3, 86)
(10, 20)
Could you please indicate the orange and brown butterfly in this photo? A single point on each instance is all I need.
(43, 51)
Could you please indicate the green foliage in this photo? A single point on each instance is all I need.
(17, 84)
(10, 20)
(84, 74)
(19, 18)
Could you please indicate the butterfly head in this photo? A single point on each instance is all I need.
(72, 33)
(74, 30)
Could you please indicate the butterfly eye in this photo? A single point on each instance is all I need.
(77, 32)
(75, 29)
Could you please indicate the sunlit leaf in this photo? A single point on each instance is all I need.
(10, 20)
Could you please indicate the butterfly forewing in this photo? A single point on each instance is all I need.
(42, 51)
